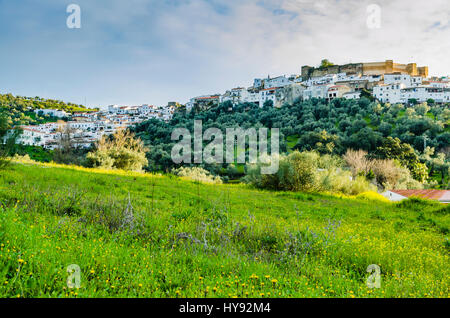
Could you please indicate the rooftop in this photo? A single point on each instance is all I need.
(440, 195)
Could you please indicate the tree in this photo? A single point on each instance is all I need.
(65, 151)
(412, 101)
(422, 109)
(325, 63)
(393, 148)
(8, 139)
(385, 128)
(367, 94)
(358, 161)
(321, 141)
(121, 151)
(268, 104)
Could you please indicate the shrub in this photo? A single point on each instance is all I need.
(406, 181)
(372, 196)
(342, 181)
(386, 172)
(389, 173)
(359, 185)
(358, 161)
(297, 172)
(304, 170)
(122, 151)
(7, 140)
(197, 174)
(308, 172)
(418, 204)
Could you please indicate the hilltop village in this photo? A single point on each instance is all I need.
(85, 128)
(387, 82)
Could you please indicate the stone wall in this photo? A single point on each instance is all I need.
(288, 94)
(374, 68)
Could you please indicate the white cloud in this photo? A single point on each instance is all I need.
(140, 51)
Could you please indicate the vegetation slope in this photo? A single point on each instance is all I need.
(142, 235)
(20, 109)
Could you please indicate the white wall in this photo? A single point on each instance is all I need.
(394, 197)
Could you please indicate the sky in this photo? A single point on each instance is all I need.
(137, 52)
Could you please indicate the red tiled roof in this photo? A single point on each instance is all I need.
(426, 194)
(31, 129)
(270, 89)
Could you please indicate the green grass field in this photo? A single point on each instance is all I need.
(137, 235)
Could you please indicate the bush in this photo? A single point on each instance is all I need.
(386, 172)
(308, 172)
(303, 175)
(7, 140)
(297, 172)
(372, 196)
(197, 174)
(418, 204)
(122, 151)
(406, 181)
(358, 161)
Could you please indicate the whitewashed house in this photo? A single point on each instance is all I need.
(439, 84)
(276, 82)
(279, 81)
(52, 112)
(352, 95)
(323, 80)
(423, 93)
(389, 93)
(316, 91)
(268, 94)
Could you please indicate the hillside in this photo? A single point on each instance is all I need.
(327, 127)
(136, 235)
(21, 109)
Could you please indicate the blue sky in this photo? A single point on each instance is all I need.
(155, 51)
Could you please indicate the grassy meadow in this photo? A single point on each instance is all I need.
(136, 235)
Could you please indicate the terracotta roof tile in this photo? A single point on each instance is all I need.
(426, 194)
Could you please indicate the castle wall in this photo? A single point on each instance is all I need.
(373, 68)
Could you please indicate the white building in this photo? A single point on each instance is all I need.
(316, 91)
(276, 82)
(323, 80)
(267, 94)
(35, 137)
(424, 93)
(236, 95)
(82, 125)
(405, 79)
(269, 82)
(352, 95)
(51, 112)
(440, 84)
(389, 93)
